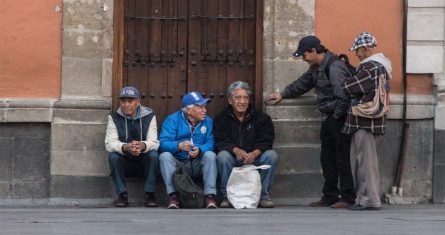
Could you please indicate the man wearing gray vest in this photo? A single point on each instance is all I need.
(132, 142)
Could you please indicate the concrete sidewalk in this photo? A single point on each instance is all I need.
(412, 219)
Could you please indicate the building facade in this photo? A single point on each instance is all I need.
(61, 67)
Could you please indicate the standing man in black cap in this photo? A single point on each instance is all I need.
(132, 143)
(326, 74)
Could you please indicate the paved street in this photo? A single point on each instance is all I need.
(425, 219)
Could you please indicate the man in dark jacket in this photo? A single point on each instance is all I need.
(132, 143)
(326, 74)
(244, 136)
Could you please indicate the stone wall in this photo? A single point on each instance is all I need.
(426, 36)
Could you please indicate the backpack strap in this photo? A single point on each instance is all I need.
(330, 62)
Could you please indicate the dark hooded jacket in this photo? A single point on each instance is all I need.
(255, 132)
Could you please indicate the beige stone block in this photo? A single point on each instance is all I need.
(87, 116)
(294, 17)
(28, 115)
(107, 77)
(269, 16)
(268, 78)
(425, 59)
(426, 3)
(78, 137)
(89, 13)
(287, 71)
(79, 163)
(84, 43)
(81, 77)
(427, 26)
(268, 46)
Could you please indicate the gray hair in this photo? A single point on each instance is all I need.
(238, 85)
(184, 109)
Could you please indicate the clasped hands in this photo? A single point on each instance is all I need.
(135, 148)
(245, 157)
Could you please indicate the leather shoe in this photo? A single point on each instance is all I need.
(150, 200)
(122, 200)
(321, 203)
(341, 204)
(359, 207)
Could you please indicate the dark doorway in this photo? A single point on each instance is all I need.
(169, 47)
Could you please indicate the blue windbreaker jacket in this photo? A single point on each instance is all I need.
(176, 129)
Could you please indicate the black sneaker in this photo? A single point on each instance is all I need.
(122, 200)
(150, 200)
(210, 202)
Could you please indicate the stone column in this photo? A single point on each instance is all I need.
(426, 25)
(79, 165)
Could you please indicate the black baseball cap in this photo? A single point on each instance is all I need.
(305, 44)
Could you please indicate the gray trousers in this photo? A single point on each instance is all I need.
(365, 169)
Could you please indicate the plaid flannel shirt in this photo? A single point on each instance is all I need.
(361, 88)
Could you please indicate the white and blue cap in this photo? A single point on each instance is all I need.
(195, 98)
(365, 39)
(129, 92)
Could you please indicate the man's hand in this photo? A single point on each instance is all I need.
(240, 154)
(194, 152)
(274, 97)
(135, 148)
(252, 156)
(185, 146)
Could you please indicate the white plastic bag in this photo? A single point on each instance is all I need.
(244, 186)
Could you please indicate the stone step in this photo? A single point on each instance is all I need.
(291, 131)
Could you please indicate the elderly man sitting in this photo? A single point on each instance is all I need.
(244, 135)
(186, 138)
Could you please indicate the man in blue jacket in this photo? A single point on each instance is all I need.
(187, 138)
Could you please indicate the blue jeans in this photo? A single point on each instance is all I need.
(226, 162)
(147, 163)
(204, 165)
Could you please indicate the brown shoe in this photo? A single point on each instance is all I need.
(321, 203)
(341, 204)
(265, 203)
(150, 200)
(210, 202)
(122, 200)
(225, 203)
(174, 202)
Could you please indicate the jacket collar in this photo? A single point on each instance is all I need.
(249, 113)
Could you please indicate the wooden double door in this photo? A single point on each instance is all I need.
(167, 48)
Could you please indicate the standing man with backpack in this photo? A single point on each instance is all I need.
(370, 80)
(326, 74)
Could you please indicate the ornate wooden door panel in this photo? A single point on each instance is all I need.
(155, 52)
(174, 46)
(221, 47)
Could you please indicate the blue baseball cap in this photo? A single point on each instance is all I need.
(195, 98)
(129, 92)
(305, 44)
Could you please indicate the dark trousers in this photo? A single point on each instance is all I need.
(145, 165)
(335, 161)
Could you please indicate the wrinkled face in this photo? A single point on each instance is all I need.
(361, 53)
(310, 56)
(239, 101)
(129, 106)
(197, 113)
